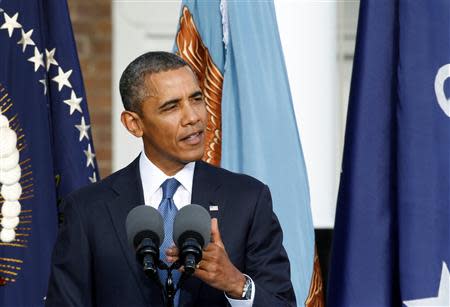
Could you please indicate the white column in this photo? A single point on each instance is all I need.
(138, 27)
(309, 38)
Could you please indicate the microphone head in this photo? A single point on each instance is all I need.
(144, 221)
(193, 219)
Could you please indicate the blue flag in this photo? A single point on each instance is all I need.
(46, 146)
(391, 243)
(259, 134)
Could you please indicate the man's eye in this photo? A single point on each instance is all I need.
(169, 107)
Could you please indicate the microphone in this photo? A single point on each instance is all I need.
(191, 231)
(145, 231)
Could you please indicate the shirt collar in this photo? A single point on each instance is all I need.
(152, 177)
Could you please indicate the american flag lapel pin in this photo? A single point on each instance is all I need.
(213, 207)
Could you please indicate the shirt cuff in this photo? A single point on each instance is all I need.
(243, 303)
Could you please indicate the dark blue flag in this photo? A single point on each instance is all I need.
(46, 146)
(391, 244)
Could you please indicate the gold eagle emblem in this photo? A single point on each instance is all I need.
(195, 53)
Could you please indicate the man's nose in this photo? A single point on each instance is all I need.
(190, 115)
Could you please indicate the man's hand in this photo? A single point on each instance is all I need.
(172, 254)
(215, 268)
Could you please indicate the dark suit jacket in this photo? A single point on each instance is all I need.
(93, 264)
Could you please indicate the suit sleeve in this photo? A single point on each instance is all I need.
(266, 260)
(70, 278)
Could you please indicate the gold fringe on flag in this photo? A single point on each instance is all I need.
(315, 295)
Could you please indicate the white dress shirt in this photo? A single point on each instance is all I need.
(152, 179)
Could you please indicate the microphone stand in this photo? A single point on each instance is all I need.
(170, 288)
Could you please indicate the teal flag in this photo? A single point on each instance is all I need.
(259, 131)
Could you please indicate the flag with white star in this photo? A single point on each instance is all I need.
(46, 148)
(392, 233)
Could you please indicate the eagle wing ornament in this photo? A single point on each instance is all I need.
(195, 53)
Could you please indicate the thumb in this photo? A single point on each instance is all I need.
(215, 234)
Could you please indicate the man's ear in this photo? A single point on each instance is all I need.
(132, 122)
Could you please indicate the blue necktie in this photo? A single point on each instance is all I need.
(168, 211)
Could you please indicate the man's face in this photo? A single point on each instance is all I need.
(173, 119)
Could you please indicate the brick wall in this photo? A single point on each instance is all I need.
(91, 21)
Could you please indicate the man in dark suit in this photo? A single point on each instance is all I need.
(245, 263)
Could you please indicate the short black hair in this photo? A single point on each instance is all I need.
(132, 82)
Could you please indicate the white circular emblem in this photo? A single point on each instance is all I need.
(442, 75)
(10, 188)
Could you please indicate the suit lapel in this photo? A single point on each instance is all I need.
(205, 187)
(128, 188)
(205, 192)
